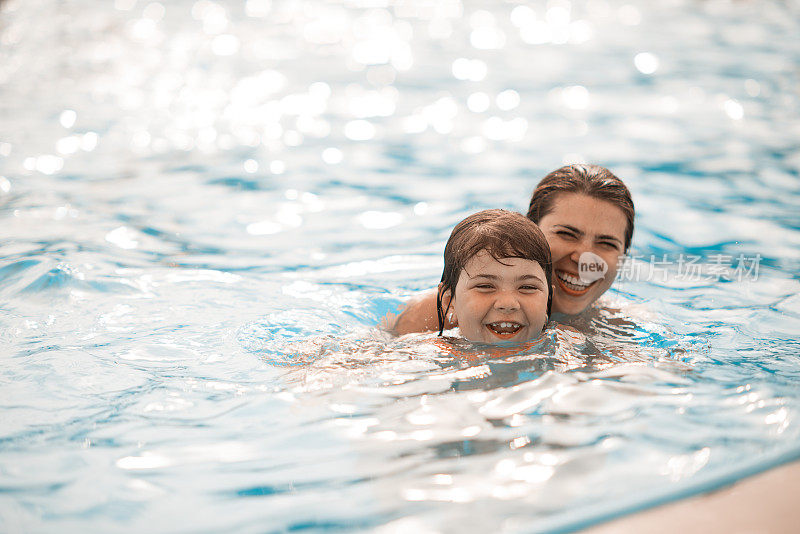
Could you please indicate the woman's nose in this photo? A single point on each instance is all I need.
(579, 249)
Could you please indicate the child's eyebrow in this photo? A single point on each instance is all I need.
(495, 277)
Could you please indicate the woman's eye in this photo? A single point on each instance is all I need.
(565, 233)
(609, 245)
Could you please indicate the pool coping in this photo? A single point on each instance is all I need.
(765, 503)
(660, 499)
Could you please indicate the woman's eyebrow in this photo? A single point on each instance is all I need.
(580, 232)
(570, 228)
(610, 237)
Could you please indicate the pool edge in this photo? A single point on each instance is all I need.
(603, 514)
(765, 502)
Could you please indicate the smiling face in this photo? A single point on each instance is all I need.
(579, 223)
(496, 302)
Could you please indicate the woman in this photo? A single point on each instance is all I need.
(580, 208)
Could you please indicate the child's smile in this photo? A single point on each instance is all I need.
(505, 329)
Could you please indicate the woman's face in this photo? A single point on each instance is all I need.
(579, 223)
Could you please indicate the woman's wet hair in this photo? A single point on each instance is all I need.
(502, 234)
(591, 180)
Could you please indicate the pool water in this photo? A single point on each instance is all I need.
(207, 207)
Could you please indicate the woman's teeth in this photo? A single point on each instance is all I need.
(504, 327)
(571, 282)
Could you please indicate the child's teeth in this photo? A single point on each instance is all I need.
(505, 326)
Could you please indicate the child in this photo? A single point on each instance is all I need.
(497, 279)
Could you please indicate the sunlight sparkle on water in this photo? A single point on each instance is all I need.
(45, 164)
(250, 165)
(522, 16)
(225, 45)
(646, 62)
(123, 237)
(485, 34)
(575, 97)
(68, 145)
(469, 69)
(359, 130)
(332, 155)
(264, 228)
(734, 109)
(478, 102)
(507, 100)
(277, 167)
(67, 118)
(536, 32)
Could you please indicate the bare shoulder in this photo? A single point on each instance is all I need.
(418, 315)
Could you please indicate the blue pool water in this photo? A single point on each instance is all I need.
(206, 207)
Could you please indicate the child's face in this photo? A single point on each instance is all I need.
(497, 302)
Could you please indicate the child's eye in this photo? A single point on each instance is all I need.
(529, 288)
(483, 286)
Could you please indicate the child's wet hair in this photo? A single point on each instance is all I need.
(501, 233)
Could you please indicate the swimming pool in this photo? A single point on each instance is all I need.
(207, 206)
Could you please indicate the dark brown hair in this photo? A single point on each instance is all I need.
(591, 180)
(501, 233)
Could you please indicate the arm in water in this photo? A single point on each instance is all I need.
(418, 315)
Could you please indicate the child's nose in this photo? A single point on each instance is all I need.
(506, 301)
